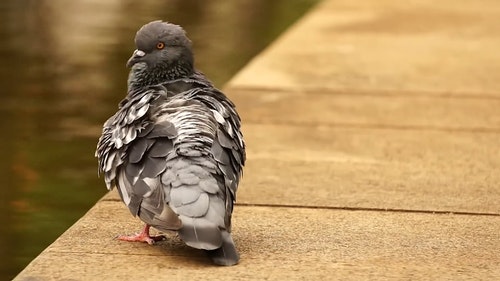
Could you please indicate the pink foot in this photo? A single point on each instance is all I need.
(142, 237)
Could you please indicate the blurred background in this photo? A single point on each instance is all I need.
(62, 74)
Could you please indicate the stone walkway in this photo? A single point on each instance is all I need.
(373, 133)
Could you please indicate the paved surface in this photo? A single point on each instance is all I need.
(373, 131)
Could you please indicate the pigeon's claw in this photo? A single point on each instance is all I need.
(143, 236)
(139, 237)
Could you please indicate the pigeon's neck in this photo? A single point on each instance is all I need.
(142, 77)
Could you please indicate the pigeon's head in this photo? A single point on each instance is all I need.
(162, 47)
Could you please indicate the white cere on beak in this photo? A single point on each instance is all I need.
(139, 53)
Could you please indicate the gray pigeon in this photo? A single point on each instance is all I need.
(174, 149)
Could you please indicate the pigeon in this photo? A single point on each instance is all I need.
(174, 150)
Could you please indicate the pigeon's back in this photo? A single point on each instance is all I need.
(175, 152)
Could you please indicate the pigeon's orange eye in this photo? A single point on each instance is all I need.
(160, 45)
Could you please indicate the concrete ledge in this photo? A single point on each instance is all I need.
(278, 243)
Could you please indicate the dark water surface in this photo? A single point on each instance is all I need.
(62, 73)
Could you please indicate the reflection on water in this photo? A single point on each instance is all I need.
(63, 73)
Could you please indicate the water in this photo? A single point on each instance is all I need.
(62, 73)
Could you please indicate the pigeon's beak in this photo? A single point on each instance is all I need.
(136, 57)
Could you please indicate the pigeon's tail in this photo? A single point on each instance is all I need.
(227, 254)
(202, 234)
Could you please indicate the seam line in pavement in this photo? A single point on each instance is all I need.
(392, 210)
(367, 209)
(392, 93)
(378, 126)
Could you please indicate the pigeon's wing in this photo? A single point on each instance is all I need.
(120, 130)
(132, 153)
(205, 175)
(139, 179)
(196, 190)
(228, 148)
